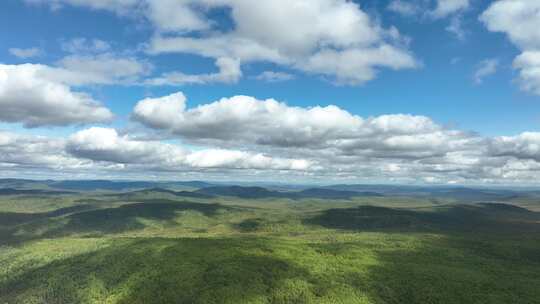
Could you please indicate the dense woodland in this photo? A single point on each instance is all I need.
(191, 244)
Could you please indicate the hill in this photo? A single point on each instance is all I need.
(10, 191)
(93, 185)
(260, 193)
(241, 192)
(152, 191)
(333, 194)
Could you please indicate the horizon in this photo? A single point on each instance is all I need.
(264, 184)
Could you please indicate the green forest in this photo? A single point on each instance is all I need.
(155, 246)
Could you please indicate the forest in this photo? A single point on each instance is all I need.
(202, 243)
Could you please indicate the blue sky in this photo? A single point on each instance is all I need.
(433, 78)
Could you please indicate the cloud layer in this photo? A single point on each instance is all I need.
(242, 136)
(519, 20)
(30, 96)
(398, 146)
(332, 38)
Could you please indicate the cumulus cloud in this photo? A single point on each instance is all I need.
(105, 69)
(93, 62)
(117, 6)
(25, 53)
(516, 18)
(456, 27)
(340, 145)
(445, 8)
(243, 118)
(528, 64)
(320, 143)
(519, 20)
(324, 30)
(357, 66)
(26, 151)
(272, 76)
(104, 152)
(523, 146)
(484, 69)
(434, 10)
(84, 45)
(176, 15)
(29, 97)
(247, 121)
(103, 144)
(229, 72)
(396, 147)
(405, 8)
(44, 95)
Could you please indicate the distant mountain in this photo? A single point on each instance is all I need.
(333, 194)
(462, 193)
(241, 192)
(339, 191)
(193, 184)
(151, 191)
(260, 192)
(13, 181)
(16, 183)
(458, 193)
(92, 185)
(10, 191)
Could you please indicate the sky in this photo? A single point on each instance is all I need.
(296, 91)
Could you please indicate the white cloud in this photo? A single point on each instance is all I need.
(333, 29)
(35, 152)
(84, 45)
(25, 53)
(432, 10)
(338, 144)
(520, 20)
(229, 72)
(445, 8)
(405, 8)
(29, 97)
(219, 158)
(321, 28)
(103, 144)
(356, 66)
(223, 45)
(272, 76)
(160, 112)
(528, 63)
(92, 62)
(523, 146)
(244, 118)
(246, 121)
(176, 15)
(118, 6)
(102, 151)
(105, 68)
(266, 138)
(456, 27)
(484, 69)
